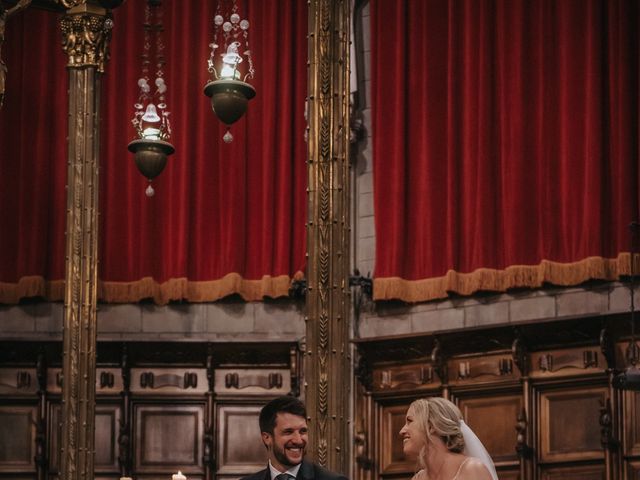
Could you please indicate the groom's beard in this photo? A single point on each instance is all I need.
(285, 458)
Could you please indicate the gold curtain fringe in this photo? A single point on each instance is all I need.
(161, 293)
(515, 276)
(31, 286)
(390, 288)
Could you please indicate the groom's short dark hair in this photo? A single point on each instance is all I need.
(284, 404)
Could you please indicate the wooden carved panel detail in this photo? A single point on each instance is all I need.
(392, 459)
(493, 419)
(18, 381)
(152, 408)
(17, 438)
(633, 470)
(566, 362)
(569, 424)
(511, 474)
(586, 472)
(240, 449)
(108, 381)
(405, 377)
(168, 438)
(54, 381)
(482, 368)
(252, 381)
(169, 381)
(106, 438)
(54, 440)
(632, 426)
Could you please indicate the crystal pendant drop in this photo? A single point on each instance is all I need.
(228, 138)
(150, 192)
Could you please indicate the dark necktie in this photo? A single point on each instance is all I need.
(285, 476)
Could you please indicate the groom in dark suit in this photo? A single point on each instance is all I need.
(283, 423)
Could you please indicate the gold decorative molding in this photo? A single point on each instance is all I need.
(79, 328)
(328, 356)
(86, 32)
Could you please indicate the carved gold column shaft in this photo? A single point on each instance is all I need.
(327, 365)
(86, 30)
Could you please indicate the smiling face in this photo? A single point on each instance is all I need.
(288, 441)
(413, 438)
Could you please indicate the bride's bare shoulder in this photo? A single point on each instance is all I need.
(474, 469)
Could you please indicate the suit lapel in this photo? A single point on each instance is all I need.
(306, 471)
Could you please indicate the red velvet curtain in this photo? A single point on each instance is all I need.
(226, 218)
(505, 136)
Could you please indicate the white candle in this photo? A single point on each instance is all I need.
(178, 476)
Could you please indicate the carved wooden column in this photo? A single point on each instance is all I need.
(40, 457)
(86, 30)
(524, 432)
(209, 456)
(327, 363)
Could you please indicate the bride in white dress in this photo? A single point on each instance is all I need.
(444, 447)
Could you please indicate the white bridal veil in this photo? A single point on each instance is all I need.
(475, 448)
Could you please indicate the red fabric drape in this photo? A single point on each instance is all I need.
(505, 136)
(225, 218)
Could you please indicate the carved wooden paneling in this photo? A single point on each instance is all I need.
(241, 381)
(240, 449)
(54, 381)
(585, 472)
(555, 379)
(54, 438)
(569, 424)
(20, 381)
(392, 459)
(493, 419)
(108, 381)
(405, 377)
(17, 438)
(170, 381)
(150, 408)
(484, 368)
(633, 470)
(510, 474)
(572, 361)
(106, 439)
(632, 425)
(168, 438)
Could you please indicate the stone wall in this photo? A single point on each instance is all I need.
(222, 321)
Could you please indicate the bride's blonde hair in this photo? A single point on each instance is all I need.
(438, 416)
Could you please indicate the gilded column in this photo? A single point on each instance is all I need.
(86, 30)
(327, 362)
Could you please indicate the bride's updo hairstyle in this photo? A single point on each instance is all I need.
(438, 416)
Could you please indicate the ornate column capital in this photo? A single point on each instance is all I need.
(86, 32)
